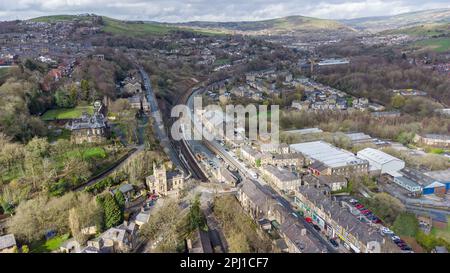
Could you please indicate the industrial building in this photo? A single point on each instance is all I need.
(331, 160)
(443, 177)
(380, 161)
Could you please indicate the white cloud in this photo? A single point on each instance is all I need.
(217, 10)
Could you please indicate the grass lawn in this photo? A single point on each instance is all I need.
(50, 245)
(88, 153)
(67, 113)
(3, 71)
(442, 233)
(438, 45)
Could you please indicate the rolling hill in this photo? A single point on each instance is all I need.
(279, 26)
(405, 20)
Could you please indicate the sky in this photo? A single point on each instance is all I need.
(214, 10)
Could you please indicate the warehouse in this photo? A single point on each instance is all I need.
(380, 161)
(441, 176)
(334, 161)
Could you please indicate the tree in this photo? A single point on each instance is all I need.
(113, 213)
(164, 225)
(120, 199)
(25, 249)
(406, 224)
(196, 217)
(66, 98)
(398, 101)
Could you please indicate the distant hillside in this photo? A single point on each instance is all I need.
(405, 20)
(286, 25)
(424, 30)
(121, 27)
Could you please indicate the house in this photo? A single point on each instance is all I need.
(165, 182)
(251, 155)
(254, 200)
(127, 190)
(336, 221)
(380, 161)
(281, 148)
(91, 129)
(119, 239)
(331, 182)
(7, 243)
(139, 101)
(287, 160)
(282, 179)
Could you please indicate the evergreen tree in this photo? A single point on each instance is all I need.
(120, 199)
(113, 213)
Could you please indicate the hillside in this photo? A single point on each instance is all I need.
(121, 27)
(286, 25)
(405, 20)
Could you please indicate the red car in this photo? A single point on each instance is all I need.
(308, 220)
(366, 211)
(358, 206)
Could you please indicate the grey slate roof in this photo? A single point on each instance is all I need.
(7, 241)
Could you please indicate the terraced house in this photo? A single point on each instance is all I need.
(336, 220)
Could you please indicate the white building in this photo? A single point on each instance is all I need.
(381, 161)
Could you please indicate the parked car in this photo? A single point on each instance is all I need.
(334, 243)
(406, 248)
(395, 238)
(365, 212)
(358, 206)
(385, 230)
(308, 220)
(353, 201)
(316, 227)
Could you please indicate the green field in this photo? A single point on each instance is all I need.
(427, 30)
(134, 28)
(54, 18)
(50, 245)
(442, 233)
(438, 45)
(139, 29)
(67, 113)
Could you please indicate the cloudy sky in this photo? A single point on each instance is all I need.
(214, 10)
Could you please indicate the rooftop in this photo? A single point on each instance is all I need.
(341, 215)
(7, 241)
(442, 176)
(281, 174)
(327, 153)
(377, 156)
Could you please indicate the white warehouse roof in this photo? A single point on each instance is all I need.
(377, 159)
(327, 153)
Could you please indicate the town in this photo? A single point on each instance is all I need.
(89, 163)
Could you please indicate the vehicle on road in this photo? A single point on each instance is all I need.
(334, 243)
(316, 227)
